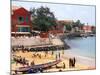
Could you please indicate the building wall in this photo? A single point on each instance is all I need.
(87, 28)
(20, 18)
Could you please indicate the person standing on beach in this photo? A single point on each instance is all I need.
(64, 66)
(32, 63)
(74, 61)
(59, 55)
(56, 57)
(70, 62)
(52, 52)
(15, 73)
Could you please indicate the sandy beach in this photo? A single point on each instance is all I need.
(49, 58)
(42, 57)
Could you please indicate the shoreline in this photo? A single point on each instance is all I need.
(87, 60)
(80, 59)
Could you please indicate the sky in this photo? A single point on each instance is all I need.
(86, 14)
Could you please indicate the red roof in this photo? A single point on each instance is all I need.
(20, 12)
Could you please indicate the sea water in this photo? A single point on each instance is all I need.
(83, 48)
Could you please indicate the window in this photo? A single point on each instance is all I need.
(19, 29)
(23, 29)
(20, 19)
(27, 19)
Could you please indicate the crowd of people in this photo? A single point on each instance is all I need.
(37, 55)
(20, 60)
(32, 49)
(23, 61)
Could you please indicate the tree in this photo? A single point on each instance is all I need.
(93, 29)
(68, 27)
(42, 18)
(78, 24)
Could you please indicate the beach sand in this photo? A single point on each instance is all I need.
(49, 58)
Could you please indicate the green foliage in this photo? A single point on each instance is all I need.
(68, 27)
(42, 18)
(93, 30)
(77, 24)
